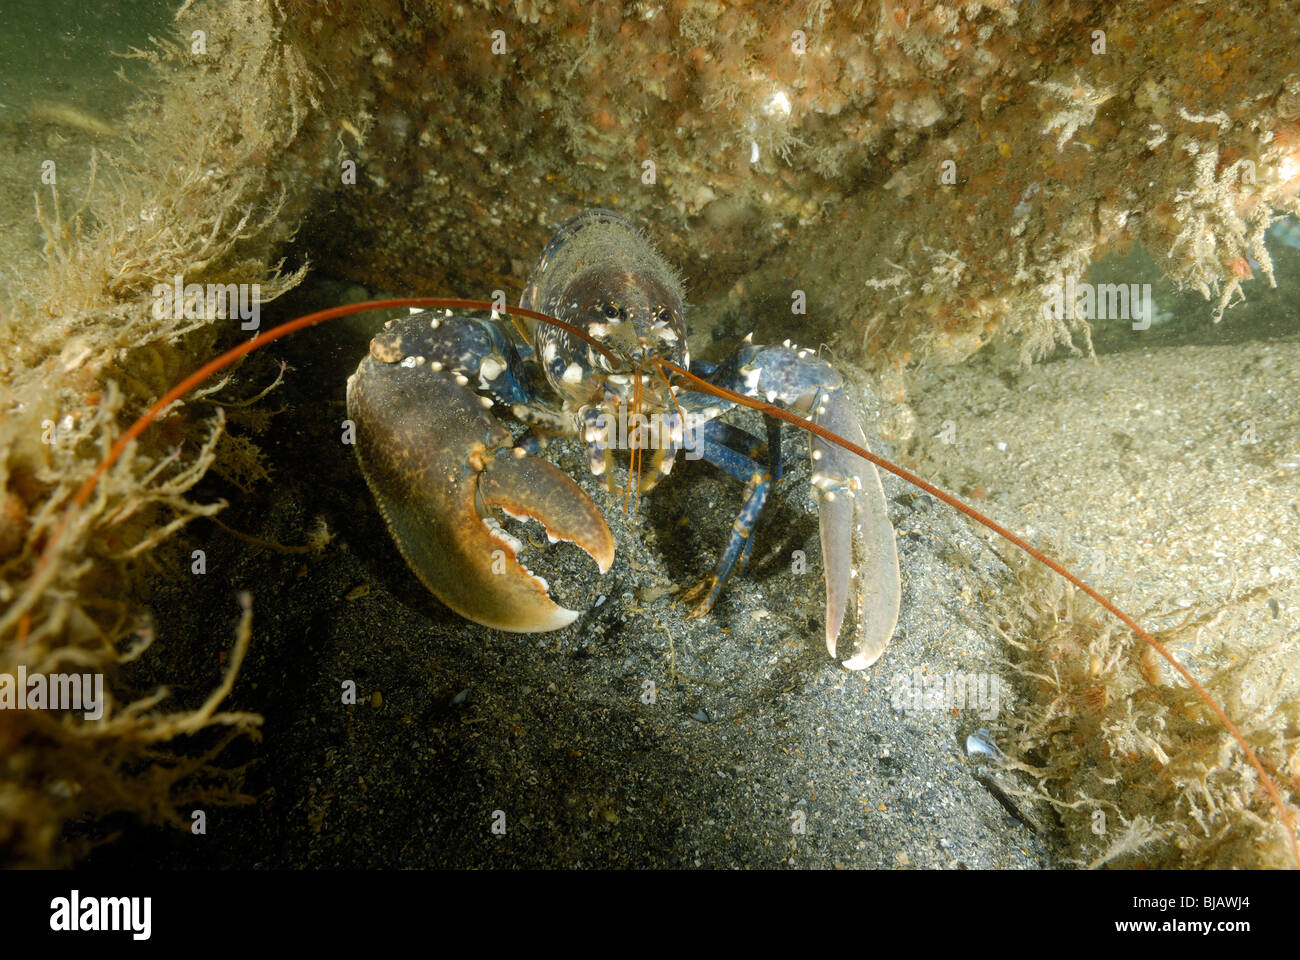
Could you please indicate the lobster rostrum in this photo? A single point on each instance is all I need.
(440, 463)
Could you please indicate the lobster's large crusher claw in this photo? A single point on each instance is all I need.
(439, 464)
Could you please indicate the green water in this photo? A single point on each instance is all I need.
(62, 55)
(62, 48)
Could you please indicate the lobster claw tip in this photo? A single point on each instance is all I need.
(868, 652)
(544, 620)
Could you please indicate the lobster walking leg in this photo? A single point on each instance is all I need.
(758, 483)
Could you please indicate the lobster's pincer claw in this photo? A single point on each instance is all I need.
(857, 538)
(529, 487)
(437, 461)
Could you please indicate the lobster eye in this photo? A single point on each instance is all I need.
(611, 312)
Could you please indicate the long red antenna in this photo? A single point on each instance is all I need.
(772, 410)
(18, 610)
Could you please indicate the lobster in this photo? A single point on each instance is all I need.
(424, 431)
(440, 464)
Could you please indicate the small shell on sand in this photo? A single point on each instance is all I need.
(66, 115)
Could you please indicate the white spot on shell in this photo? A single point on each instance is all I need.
(572, 374)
